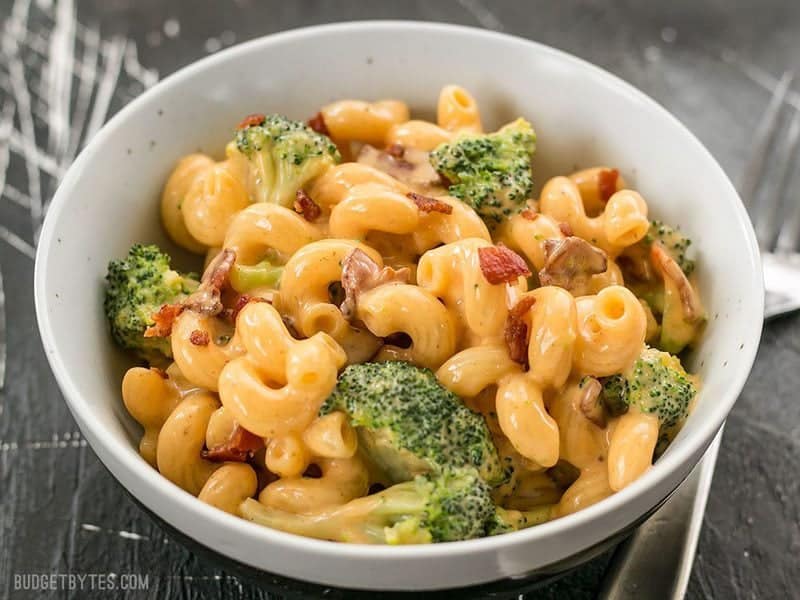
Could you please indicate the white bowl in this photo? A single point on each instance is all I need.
(583, 116)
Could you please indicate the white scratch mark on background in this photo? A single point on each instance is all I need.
(13, 240)
(2, 339)
(19, 89)
(87, 75)
(60, 62)
(6, 125)
(135, 70)
(128, 535)
(39, 158)
(112, 53)
(54, 444)
(757, 75)
(482, 13)
(17, 197)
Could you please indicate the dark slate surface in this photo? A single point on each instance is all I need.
(713, 64)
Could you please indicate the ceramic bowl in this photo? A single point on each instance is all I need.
(583, 116)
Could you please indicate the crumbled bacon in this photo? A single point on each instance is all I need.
(500, 264)
(529, 214)
(240, 446)
(635, 264)
(412, 166)
(304, 205)
(396, 150)
(251, 120)
(607, 183)
(360, 274)
(199, 337)
(241, 301)
(427, 204)
(589, 402)
(566, 229)
(570, 263)
(163, 320)
(669, 269)
(516, 330)
(317, 123)
(207, 298)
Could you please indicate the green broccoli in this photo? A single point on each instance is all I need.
(507, 520)
(673, 241)
(137, 286)
(491, 173)
(245, 278)
(450, 506)
(408, 423)
(614, 395)
(284, 155)
(657, 384)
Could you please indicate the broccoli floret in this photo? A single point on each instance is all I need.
(245, 278)
(507, 520)
(283, 156)
(673, 241)
(491, 173)
(614, 395)
(450, 506)
(657, 384)
(137, 286)
(408, 423)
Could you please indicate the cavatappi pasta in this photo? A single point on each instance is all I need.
(549, 322)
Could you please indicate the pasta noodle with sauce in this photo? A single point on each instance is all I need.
(395, 339)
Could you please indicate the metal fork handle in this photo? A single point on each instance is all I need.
(656, 561)
(782, 281)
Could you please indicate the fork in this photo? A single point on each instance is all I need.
(656, 561)
(777, 217)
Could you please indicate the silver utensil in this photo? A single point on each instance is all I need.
(656, 561)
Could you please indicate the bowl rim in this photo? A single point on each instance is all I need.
(130, 461)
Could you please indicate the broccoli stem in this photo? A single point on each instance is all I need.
(245, 278)
(360, 520)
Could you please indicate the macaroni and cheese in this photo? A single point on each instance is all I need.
(394, 338)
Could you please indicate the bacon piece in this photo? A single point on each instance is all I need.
(199, 337)
(243, 300)
(570, 263)
(635, 264)
(240, 446)
(396, 150)
(427, 204)
(304, 205)
(589, 401)
(360, 274)
(516, 330)
(207, 298)
(163, 320)
(529, 214)
(566, 229)
(669, 269)
(607, 183)
(250, 120)
(500, 264)
(317, 123)
(412, 167)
